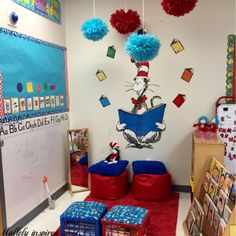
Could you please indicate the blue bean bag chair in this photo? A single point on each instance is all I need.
(149, 167)
(84, 160)
(114, 169)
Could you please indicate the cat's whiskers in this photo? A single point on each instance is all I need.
(128, 82)
(154, 85)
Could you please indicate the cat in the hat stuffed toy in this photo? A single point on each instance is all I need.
(115, 153)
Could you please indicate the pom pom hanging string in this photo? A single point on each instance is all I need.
(94, 29)
(94, 6)
(143, 14)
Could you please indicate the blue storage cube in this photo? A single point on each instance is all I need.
(82, 218)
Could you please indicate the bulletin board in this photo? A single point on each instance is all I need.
(226, 110)
(32, 77)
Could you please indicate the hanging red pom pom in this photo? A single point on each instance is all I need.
(178, 7)
(125, 22)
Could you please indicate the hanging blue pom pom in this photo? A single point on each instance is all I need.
(94, 29)
(142, 47)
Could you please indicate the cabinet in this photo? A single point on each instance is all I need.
(202, 149)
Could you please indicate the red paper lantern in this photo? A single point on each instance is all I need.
(178, 7)
(125, 22)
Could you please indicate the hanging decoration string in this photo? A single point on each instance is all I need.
(94, 6)
(143, 15)
(94, 29)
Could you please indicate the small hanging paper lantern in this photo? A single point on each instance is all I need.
(94, 29)
(142, 47)
(178, 7)
(125, 22)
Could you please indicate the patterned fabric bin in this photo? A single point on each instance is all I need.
(126, 221)
(82, 218)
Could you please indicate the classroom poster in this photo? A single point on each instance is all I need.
(50, 9)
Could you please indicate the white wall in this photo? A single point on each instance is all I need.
(204, 36)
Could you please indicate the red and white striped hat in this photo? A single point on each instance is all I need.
(114, 145)
(143, 68)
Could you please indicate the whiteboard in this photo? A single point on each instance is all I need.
(26, 158)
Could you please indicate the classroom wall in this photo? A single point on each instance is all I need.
(203, 33)
(33, 24)
(41, 151)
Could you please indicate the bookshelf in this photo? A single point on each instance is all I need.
(226, 213)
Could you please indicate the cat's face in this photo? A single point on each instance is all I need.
(139, 84)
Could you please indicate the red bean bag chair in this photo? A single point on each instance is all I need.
(151, 181)
(151, 187)
(83, 169)
(109, 187)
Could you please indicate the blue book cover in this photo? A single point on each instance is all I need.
(141, 124)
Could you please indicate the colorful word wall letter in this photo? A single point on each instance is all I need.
(50, 9)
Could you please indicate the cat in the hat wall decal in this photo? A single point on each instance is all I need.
(142, 126)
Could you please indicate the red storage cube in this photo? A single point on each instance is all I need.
(150, 187)
(109, 187)
(112, 228)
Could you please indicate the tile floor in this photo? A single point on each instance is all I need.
(48, 220)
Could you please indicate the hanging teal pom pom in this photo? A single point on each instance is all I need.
(142, 47)
(94, 29)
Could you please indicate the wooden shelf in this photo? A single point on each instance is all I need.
(202, 149)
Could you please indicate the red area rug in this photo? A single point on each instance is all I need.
(163, 213)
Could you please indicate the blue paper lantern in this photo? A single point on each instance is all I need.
(142, 47)
(94, 29)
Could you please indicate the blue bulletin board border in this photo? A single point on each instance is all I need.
(50, 9)
(32, 70)
(30, 38)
